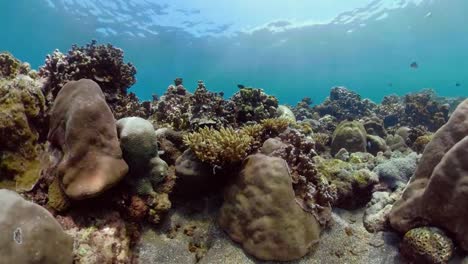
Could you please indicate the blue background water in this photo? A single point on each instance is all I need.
(369, 54)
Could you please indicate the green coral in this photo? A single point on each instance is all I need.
(22, 116)
(350, 135)
(254, 105)
(353, 181)
(427, 245)
(274, 126)
(219, 147)
(9, 65)
(57, 198)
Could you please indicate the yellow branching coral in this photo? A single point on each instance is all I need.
(274, 126)
(219, 147)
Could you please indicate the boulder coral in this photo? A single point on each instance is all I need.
(139, 145)
(83, 128)
(30, 234)
(261, 213)
(286, 113)
(350, 135)
(437, 194)
(427, 245)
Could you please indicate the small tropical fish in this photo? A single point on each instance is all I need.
(241, 86)
(414, 65)
(390, 84)
(457, 84)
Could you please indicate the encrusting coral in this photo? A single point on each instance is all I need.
(22, 128)
(87, 135)
(260, 212)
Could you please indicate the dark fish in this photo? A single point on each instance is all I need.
(414, 65)
(390, 84)
(241, 86)
(457, 84)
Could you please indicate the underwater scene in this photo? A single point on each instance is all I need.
(232, 132)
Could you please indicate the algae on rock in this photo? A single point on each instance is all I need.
(22, 119)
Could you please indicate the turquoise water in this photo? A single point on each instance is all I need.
(368, 49)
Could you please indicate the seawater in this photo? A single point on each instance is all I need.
(367, 47)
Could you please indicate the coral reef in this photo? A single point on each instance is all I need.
(22, 127)
(253, 104)
(427, 245)
(173, 109)
(437, 195)
(103, 64)
(260, 212)
(25, 227)
(181, 110)
(86, 134)
(210, 109)
(345, 104)
(350, 135)
(303, 110)
(139, 145)
(150, 187)
(422, 109)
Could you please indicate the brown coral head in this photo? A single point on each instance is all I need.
(91, 175)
